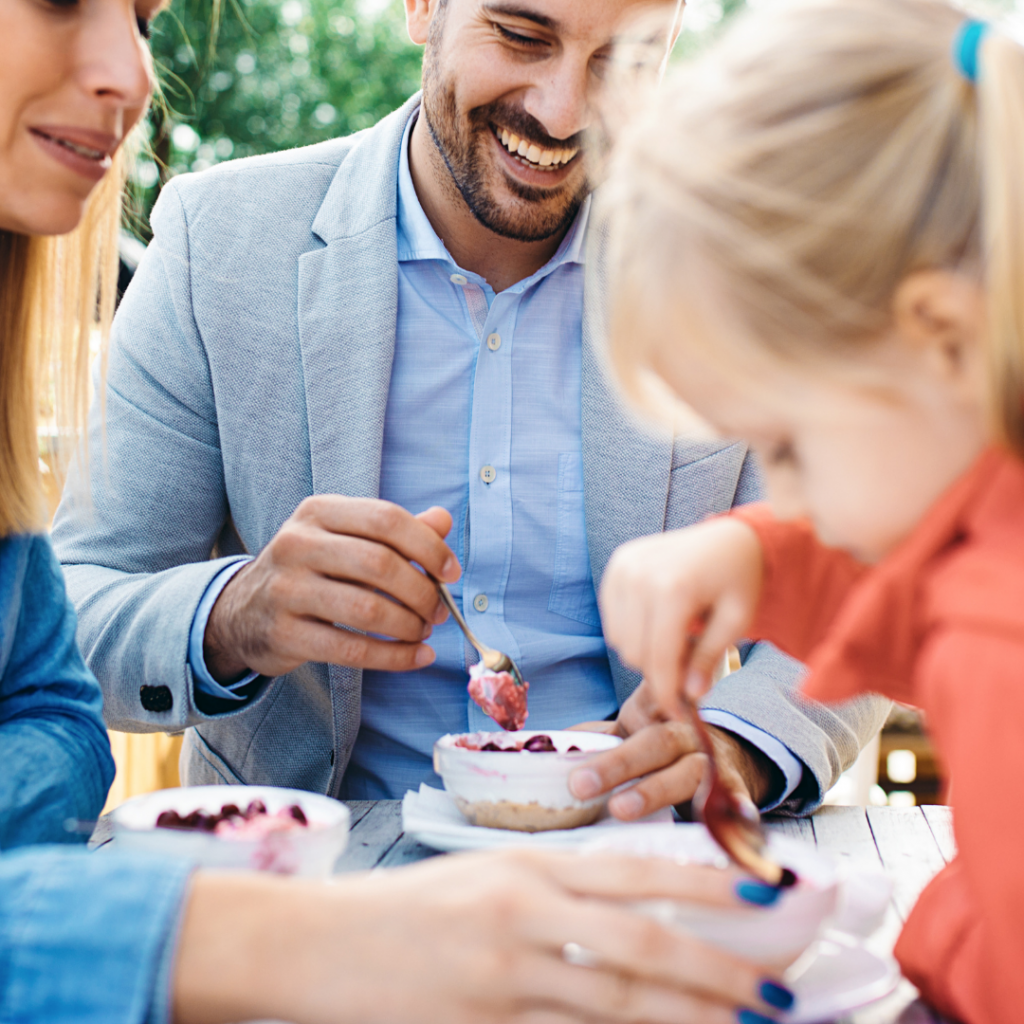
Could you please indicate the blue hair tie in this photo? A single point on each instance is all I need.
(965, 48)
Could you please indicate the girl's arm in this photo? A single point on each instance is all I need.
(672, 603)
(57, 763)
(963, 945)
(803, 581)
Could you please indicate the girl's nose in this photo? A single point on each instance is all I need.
(112, 61)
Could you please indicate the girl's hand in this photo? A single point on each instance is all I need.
(672, 603)
(475, 939)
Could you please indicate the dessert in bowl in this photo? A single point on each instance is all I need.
(256, 828)
(520, 781)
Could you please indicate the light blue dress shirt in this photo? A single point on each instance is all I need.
(483, 419)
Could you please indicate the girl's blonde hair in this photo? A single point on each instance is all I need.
(820, 153)
(56, 295)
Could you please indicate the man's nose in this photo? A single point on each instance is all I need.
(559, 99)
(112, 63)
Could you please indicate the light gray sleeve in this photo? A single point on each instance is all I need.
(135, 530)
(826, 737)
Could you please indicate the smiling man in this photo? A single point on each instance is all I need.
(335, 358)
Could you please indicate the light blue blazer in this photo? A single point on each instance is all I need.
(250, 366)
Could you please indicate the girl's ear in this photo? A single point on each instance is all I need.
(941, 314)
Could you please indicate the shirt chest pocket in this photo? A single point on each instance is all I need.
(572, 587)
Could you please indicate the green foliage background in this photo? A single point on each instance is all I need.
(241, 77)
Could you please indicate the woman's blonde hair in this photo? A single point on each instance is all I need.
(820, 153)
(57, 295)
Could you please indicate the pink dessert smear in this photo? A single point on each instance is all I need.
(498, 695)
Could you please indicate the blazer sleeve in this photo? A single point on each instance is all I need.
(765, 691)
(963, 944)
(145, 506)
(56, 755)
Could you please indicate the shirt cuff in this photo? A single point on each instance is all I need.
(777, 752)
(197, 662)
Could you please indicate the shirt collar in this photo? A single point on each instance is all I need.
(417, 239)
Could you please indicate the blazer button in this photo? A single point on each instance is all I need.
(156, 698)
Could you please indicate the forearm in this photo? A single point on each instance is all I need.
(803, 582)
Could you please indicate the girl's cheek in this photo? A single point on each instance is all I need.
(786, 491)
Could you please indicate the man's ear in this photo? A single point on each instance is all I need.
(418, 14)
(942, 315)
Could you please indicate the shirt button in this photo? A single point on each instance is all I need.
(494, 342)
(480, 602)
(488, 474)
(459, 279)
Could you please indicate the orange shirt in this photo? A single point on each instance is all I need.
(939, 623)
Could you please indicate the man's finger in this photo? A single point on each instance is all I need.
(672, 785)
(359, 608)
(334, 646)
(645, 751)
(387, 523)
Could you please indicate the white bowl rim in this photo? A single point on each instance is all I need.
(605, 741)
(327, 813)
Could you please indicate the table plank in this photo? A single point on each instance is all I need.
(373, 836)
(908, 850)
(406, 851)
(795, 828)
(940, 821)
(359, 809)
(845, 833)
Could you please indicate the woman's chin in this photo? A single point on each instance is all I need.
(52, 214)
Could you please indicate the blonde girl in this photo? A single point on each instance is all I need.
(818, 236)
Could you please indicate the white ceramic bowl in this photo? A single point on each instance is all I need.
(310, 852)
(522, 791)
(774, 935)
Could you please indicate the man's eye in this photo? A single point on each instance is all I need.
(515, 37)
(143, 25)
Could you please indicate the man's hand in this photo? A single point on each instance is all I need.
(336, 562)
(667, 753)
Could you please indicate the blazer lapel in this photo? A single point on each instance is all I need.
(347, 317)
(348, 308)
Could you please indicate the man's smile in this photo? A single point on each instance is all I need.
(531, 154)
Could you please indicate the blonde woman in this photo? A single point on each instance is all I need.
(132, 939)
(819, 235)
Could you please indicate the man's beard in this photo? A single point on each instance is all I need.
(533, 214)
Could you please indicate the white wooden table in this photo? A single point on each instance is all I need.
(911, 845)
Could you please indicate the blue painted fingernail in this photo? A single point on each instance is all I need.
(777, 995)
(761, 894)
(749, 1017)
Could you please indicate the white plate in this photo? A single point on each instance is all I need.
(431, 818)
(841, 977)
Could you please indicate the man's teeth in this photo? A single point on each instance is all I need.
(533, 153)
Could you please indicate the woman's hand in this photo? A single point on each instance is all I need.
(475, 939)
(672, 603)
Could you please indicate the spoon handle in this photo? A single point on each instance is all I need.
(450, 604)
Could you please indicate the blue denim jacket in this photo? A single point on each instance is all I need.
(83, 937)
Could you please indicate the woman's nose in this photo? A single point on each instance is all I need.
(112, 62)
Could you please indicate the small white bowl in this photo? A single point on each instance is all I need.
(309, 852)
(774, 935)
(523, 791)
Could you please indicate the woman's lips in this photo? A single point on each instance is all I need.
(83, 151)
